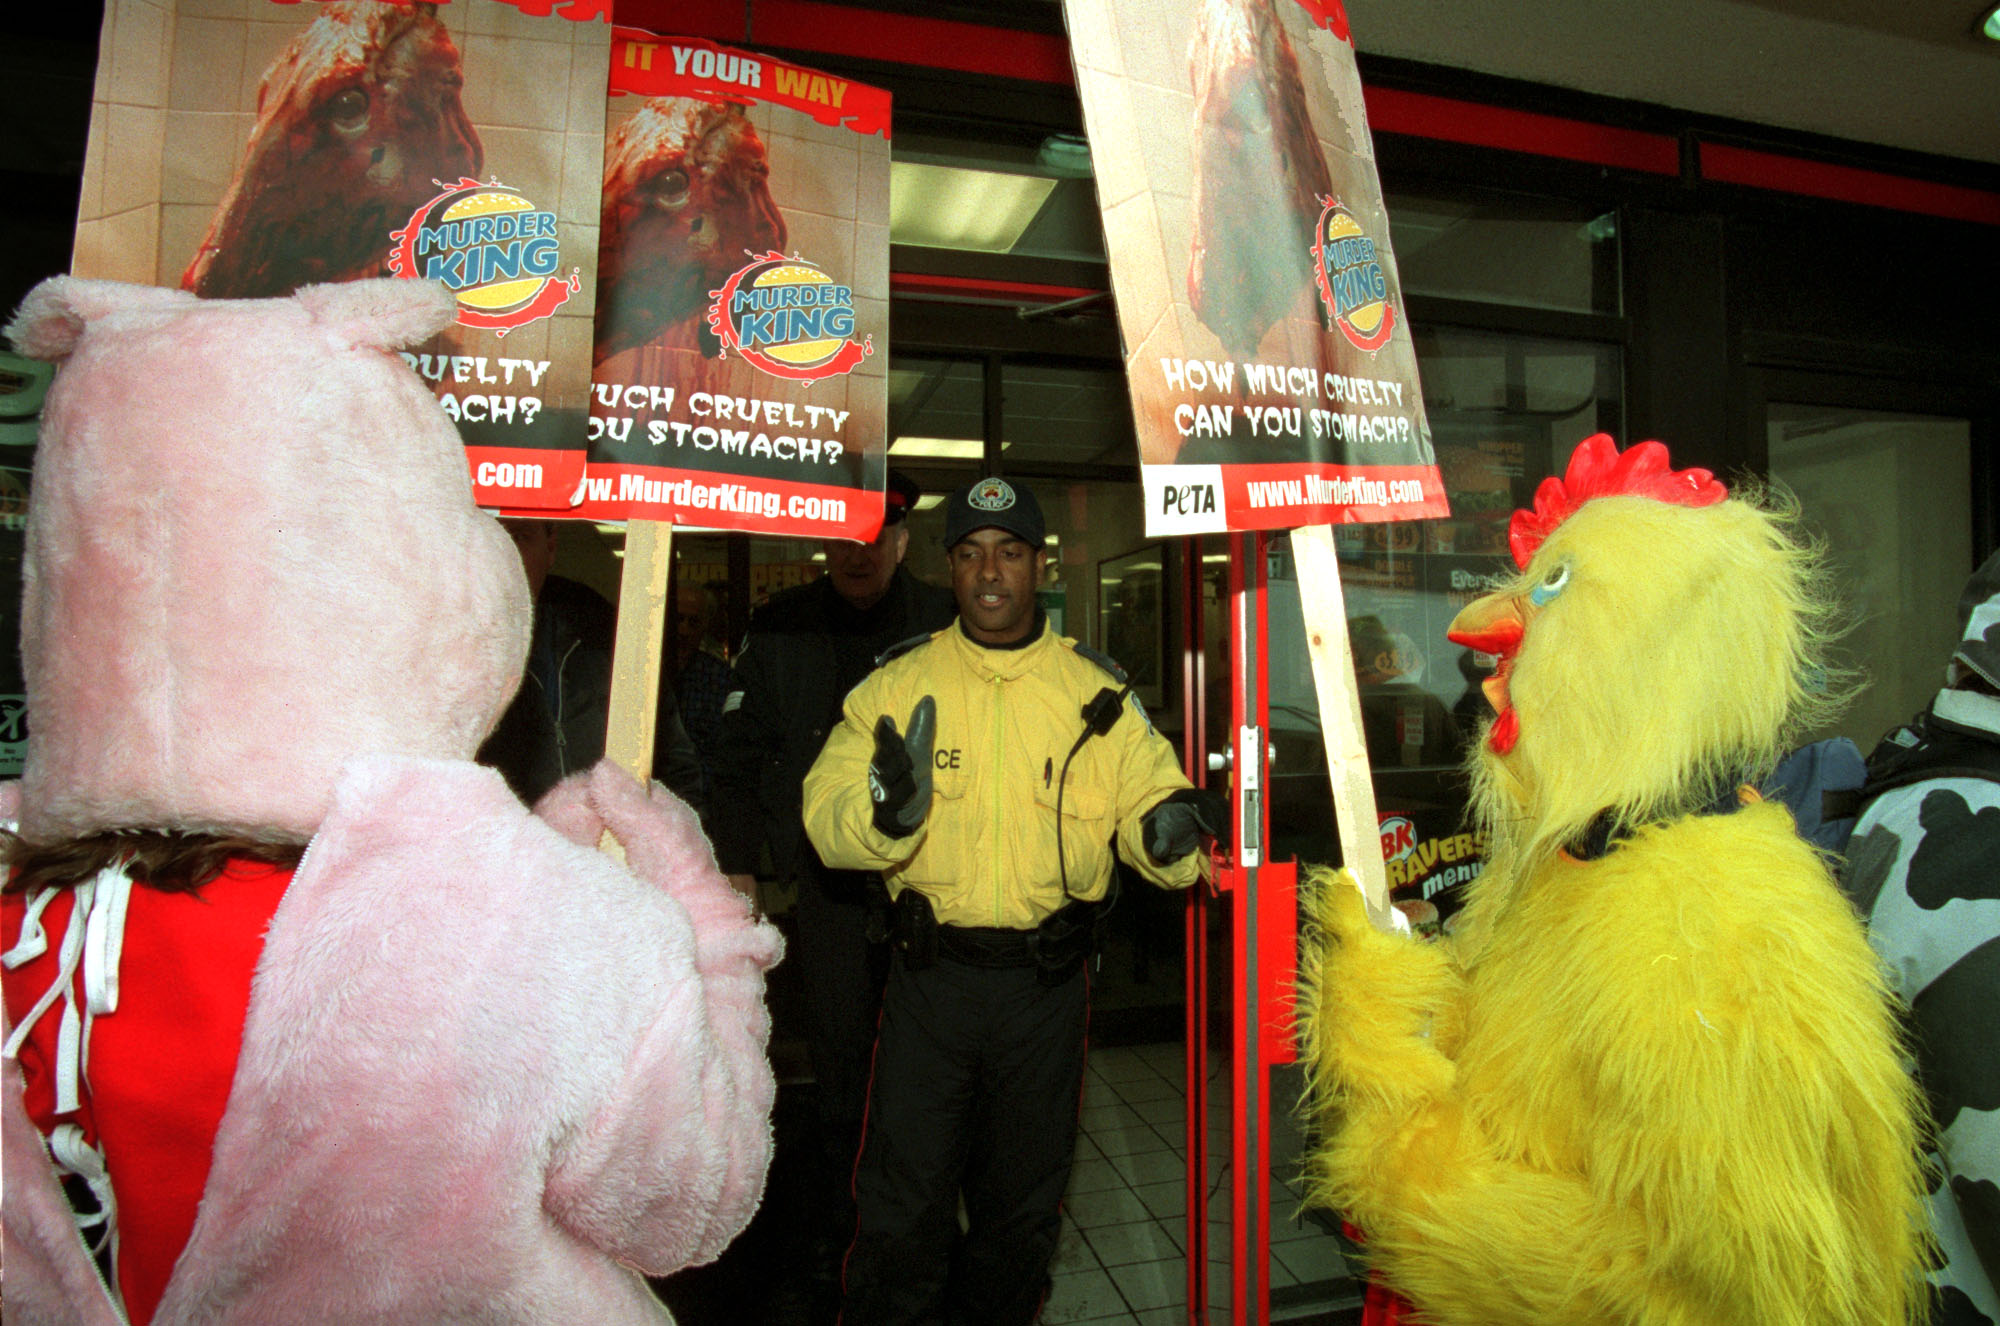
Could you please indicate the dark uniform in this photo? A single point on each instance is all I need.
(807, 647)
(555, 725)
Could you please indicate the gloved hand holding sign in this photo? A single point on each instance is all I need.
(1176, 826)
(899, 775)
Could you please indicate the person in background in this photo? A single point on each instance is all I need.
(1924, 866)
(993, 815)
(805, 649)
(701, 674)
(556, 722)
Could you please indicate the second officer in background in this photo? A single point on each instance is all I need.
(992, 815)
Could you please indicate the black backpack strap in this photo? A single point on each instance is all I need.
(1925, 750)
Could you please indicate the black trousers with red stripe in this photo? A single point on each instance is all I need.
(978, 1071)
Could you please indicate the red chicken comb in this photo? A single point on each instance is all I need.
(1598, 469)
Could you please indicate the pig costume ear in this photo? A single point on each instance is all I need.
(389, 313)
(51, 319)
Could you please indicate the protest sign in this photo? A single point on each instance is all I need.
(742, 307)
(245, 150)
(1273, 378)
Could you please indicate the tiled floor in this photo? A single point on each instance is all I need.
(1120, 1258)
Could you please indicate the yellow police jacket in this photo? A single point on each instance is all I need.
(1006, 718)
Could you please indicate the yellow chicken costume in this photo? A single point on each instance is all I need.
(1655, 1075)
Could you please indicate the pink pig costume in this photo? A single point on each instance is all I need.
(487, 1073)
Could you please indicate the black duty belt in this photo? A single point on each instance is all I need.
(987, 946)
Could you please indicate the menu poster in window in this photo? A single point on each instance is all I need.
(242, 151)
(1273, 378)
(743, 299)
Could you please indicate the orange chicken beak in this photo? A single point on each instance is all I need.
(1494, 625)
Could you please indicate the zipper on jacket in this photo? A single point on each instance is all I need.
(993, 782)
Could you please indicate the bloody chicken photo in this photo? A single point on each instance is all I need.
(357, 120)
(1259, 174)
(687, 201)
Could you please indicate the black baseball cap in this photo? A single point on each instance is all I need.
(994, 504)
(899, 498)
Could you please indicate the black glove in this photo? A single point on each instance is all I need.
(1175, 827)
(899, 777)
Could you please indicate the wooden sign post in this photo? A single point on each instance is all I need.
(635, 654)
(1347, 769)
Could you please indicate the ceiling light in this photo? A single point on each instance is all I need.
(929, 500)
(1066, 155)
(941, 448)
(948, 207)
(1989, 27)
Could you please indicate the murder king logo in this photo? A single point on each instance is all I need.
(493, 249)
(789, 318)
(1348, 270)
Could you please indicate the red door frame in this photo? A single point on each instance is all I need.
(1263, 913)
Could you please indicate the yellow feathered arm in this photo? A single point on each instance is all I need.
(1665, 1091)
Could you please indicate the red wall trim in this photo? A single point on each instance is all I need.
(974, 287)
(812, 25)
(862, 34)
(904, 39)
(1422, 115)
(1849, 184)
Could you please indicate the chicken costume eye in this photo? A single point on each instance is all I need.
(1552, 585)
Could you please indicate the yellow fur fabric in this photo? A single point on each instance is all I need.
(1667, 1090)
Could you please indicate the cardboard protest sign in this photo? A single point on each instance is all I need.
(1273, 379)
(742, 307)
(245, 150)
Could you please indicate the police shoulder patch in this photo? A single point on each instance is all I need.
(902, 647)
(1105, 661)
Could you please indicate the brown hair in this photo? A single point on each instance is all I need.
(155, 858)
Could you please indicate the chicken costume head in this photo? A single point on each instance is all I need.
(252, 553)
(1654, 1077)
(1651, 605)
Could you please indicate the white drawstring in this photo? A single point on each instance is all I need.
(94, 940)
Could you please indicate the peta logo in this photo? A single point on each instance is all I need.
(1187, 499)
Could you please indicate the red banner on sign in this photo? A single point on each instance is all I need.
(723, 501)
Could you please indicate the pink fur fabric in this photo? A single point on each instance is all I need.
(252, 554)
(487, 1072)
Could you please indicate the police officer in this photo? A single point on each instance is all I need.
(991, 812)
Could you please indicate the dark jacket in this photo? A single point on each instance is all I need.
(556, 723)
(806, 650)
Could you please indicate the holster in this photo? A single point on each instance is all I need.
(881, 912)
(914, 933)
(1065, 940)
